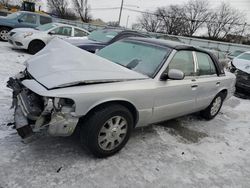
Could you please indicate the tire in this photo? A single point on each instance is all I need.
(213, 109)
(4, 33)
(103, 133)
(35, 46)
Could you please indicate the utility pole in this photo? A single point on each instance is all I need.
(127, 22)
(119, 21)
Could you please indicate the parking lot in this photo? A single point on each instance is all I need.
(187, 151)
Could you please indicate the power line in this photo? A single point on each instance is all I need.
(192, 20)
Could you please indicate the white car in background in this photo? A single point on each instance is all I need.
(36, 39)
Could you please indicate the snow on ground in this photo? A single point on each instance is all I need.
(187, 151)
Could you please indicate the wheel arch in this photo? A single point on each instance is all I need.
(130, 106)
(36, 40)
(224, 93)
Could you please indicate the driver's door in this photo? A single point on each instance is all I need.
(175, 98)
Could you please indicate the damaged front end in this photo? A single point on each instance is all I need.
(34, 112)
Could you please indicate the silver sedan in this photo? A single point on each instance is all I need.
(131, 83)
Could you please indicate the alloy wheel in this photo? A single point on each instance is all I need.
(112, 133)
(4, 35)
(216, 106)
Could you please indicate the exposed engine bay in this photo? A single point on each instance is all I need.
(34, 112)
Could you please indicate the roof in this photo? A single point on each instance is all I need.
(122, 31)
(36, 13)
(178, 46)
(167, 43)
(62, 24)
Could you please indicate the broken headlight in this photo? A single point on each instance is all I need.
(60, 103)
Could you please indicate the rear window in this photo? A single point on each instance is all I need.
(205, 64)
(80, 33)
(45, 20)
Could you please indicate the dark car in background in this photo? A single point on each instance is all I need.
(100, 38)
(241, 68)
(21, 19)
(235, 54)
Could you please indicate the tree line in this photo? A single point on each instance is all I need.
(67, 9)
(192, 17)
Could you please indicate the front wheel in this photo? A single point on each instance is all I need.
(107, 130)
(213, 109)
(35, 46)
(4, 33)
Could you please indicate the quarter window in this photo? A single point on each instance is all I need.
(80, 33)
(183, 60)
(45, 20)
(205, 64)
(65, 31)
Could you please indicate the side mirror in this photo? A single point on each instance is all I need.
(173, 74)
(97, 50)
(20, 20)
(52, 33)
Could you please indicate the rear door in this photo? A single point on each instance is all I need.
(79, 33)
(207, 80)
(175, 98)
(62, 32)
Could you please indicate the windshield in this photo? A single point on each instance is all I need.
(102, 35)
(245, 56)
(45, 27)
(137, 56)
(13, 15)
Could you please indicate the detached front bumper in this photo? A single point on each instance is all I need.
(34, 113)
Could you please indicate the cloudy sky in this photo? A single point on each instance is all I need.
(102, 8)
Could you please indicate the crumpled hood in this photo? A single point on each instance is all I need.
(61, 64)
(241, 64)
(79, 41)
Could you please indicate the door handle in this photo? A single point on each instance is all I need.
(217, 83)
(194, 86)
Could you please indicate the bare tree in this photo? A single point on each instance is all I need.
(59, 7)
(196, 14)
(150, 22)
(5, 2)
(82, 8)
(172, 18)
(225, 20)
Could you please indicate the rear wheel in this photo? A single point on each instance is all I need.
(35, 46)
(4, 33)
(107, 130)
(213, 109)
